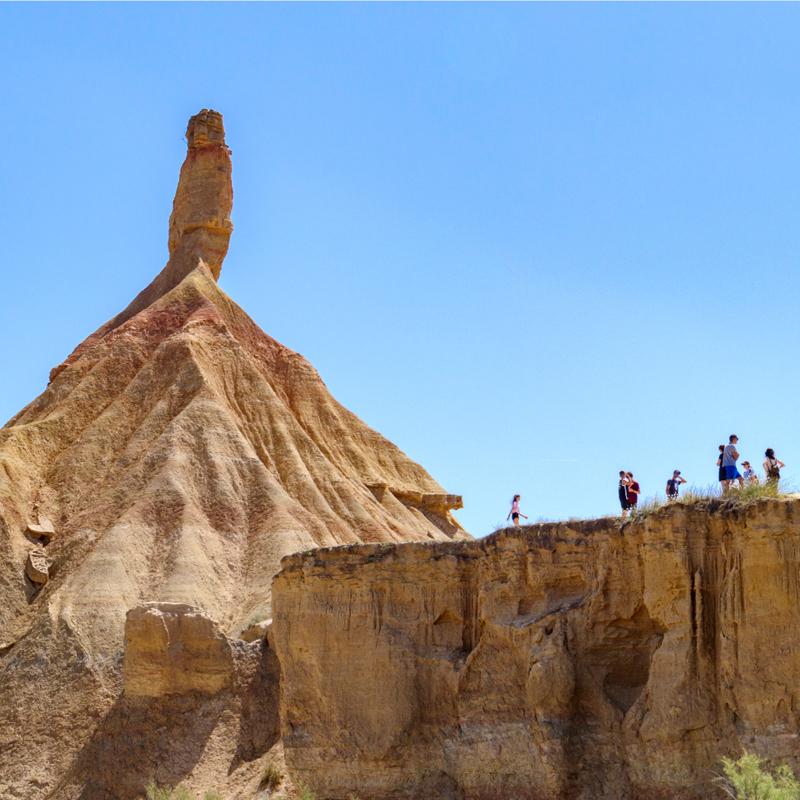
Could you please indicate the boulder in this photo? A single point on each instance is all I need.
(43, 530)
(173, 648)
(37, 567)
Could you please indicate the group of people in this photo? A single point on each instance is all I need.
(728, 471)
(629, 489)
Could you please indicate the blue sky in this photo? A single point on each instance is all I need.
(531, 244)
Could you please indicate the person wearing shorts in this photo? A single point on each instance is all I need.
(673, 484)
(515, 513)
(772, 467)
(730, 455)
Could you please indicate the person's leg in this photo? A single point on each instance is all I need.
(725, 486)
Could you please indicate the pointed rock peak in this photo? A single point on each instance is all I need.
(200, 226)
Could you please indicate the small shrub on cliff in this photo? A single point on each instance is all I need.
(156, 792)
(746, 779)
(304, 793)
(271, 778)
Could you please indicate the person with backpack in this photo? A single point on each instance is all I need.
(673, 484)
(772, 467)
(730, 455)
(515, 513)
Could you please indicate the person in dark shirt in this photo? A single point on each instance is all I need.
(719, 463)
(673, 484)
(623, 492)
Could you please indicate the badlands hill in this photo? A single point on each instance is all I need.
(174, 458)
(180, 458)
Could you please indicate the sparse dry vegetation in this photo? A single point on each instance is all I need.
(695, 496)
(747, 779)
(271, 778)
(155, 792)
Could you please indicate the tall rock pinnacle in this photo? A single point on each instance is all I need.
(200, 226)
(176, 456)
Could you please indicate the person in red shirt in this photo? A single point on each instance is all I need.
(633, 491)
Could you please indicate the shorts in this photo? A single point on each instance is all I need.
(623, 500)
(730, 473)
(673, 495)
(514, 517)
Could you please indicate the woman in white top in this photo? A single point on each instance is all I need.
(772, 466)
(515, 513)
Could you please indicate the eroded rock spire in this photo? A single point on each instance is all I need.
(200, 226)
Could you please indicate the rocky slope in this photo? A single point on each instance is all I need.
(575, 660)
(175, 457)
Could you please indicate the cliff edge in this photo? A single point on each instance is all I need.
(559, 661)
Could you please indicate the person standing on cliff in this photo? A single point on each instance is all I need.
(719, 463)
(673, 484)
(633, 491)
(730, 455)
(772, 467)
(623, 492)
(749, 473)
(515, 513)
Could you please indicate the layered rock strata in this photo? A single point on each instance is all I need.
(179, 453)
(573, 660)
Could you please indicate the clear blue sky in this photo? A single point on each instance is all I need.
(531, 244)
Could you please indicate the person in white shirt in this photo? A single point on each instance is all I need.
(749, 473)
(515, 513)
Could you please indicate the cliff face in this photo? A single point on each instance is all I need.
(582, 660)
(175, 457)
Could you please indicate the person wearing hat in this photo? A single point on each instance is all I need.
(674, 483)
(749, 473)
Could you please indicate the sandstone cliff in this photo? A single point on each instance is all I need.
(575, 660)
(175, 457)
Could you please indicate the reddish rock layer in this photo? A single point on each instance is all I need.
(180, 453)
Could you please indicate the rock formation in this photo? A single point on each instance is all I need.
(575, 660)
(172, 648)
(180, 453)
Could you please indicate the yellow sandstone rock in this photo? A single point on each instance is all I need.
(37, 568)
(172, 648)
(573, 660)
(183, 452)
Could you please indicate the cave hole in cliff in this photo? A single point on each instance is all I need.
(448, 630)
(620, 658)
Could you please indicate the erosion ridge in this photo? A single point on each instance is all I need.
(174, 458)
(566, 660)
